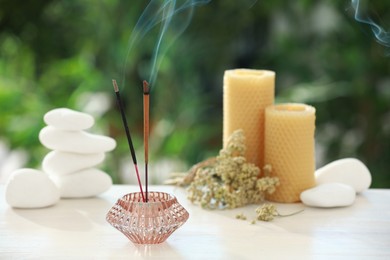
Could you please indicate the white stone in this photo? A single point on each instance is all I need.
(68, 119)
(60, 163)
(349, 171)
(82, 184)
(329, 195)
(29, 188)
(75, 141)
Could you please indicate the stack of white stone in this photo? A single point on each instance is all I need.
(69, 171)
(76, 153)
(338, 183)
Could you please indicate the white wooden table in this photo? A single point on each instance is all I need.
(77, 229)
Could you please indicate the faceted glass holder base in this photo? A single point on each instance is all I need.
(149, 222)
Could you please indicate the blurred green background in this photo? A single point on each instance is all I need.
(64, 53)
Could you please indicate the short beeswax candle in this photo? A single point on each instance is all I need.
(289, 148)
(246, 94)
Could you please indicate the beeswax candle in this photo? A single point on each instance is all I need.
(246, 94)
(289, 148)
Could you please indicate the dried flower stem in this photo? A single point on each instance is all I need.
(291, 214)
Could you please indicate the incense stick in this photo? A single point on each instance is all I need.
(146, 132)
(130, 142)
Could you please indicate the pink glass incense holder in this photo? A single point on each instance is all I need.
(149, 222)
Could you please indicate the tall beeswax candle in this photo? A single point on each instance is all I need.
(246, 94)
(289, 149)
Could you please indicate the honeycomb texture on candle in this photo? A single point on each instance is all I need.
(289, 148)
(246, 94)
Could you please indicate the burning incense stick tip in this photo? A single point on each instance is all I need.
(146, 87)
(115, 85)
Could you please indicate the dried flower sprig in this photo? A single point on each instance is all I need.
(228, 181)
(268, 212)
(241, 216)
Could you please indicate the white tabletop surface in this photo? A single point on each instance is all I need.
(77, 229)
